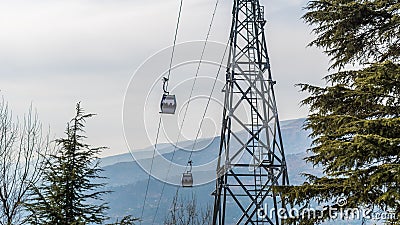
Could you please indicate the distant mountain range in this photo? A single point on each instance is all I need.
(128, 180)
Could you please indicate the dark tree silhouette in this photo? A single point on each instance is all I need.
(355, 119)
(69, 194)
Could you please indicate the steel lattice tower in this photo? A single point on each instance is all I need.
(250, 164)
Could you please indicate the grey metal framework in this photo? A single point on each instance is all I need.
(250, 163)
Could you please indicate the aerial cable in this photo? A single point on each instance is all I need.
(165, 89)
(207, 105)
(197, 71)
(151, 169)
(187, 107)
(166, 79)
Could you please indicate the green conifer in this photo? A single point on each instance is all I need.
(70, 193)
(355, 119)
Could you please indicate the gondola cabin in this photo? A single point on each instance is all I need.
(187, 179)
(168, 104)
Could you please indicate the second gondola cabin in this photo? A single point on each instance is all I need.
(187, 179)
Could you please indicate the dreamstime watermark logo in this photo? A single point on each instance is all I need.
(337, 211)
(175, 144)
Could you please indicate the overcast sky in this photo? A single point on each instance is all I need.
(54, 53)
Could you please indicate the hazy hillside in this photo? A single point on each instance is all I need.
(128, 181)
(295, 141)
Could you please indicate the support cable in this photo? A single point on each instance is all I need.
(174, 45)
(151, 169)
(208, 104)
(187, 107)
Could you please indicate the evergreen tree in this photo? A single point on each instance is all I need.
(69, 194)
(355, 119)
(356, 31)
